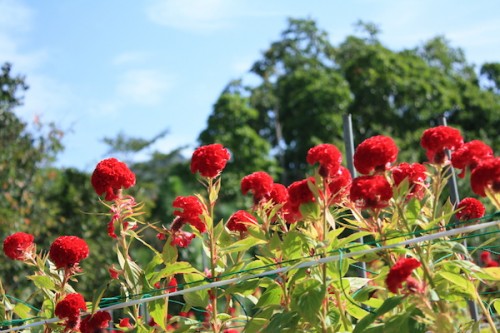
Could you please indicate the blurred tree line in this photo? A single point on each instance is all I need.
(304, 87)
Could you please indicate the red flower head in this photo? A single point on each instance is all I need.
(125, 323)
(209, 160)
(231, 330)
(240, 220)
(18, 246)
(400, 273)
(339, 185)
(279, 194)
(95, 322)
(371, 192)
(328, 157)
(487, 260)
(191, 209)
(486, 176)
(111, 175)
(69, 308)
(298, 193)
(470, 155)
(416, 175)
(259, 183)
(437, 139)
(182, 238)
(68, 251)
(470, 208)
(375, 154)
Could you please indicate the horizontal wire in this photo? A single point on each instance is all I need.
(281, 270)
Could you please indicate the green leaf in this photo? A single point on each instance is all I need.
(43, 282)
(180, 267)
(169, 252)
(283, 322)
(272, 295)
(157, 310)
(293, 243)
(242, 245)
(463, 285)
(496, 305)
(387, 306)
(196, 298)
(23, 311)
(307, 298)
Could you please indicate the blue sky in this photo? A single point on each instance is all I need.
(98, 68)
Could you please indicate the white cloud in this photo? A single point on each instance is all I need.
(144, 86)
(15, 16)
(127, 58)
(194, 15)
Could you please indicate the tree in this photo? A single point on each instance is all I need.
(307, 84)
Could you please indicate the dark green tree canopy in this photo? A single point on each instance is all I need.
(307, 84)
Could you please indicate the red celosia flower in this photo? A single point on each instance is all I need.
(231, 330)
(259, 183)
(437, 139)
(375, 154)
(328, 157)
(487, 260)
(400, 272)
(470, 208)
(18, 246)
(182, 238)
(339, 185)
(69, 308)
(371, 192)
(415, 173)
(111, 175)
(191, 209)
(67, 251)
(486, 176)
(240, 220)
(279, 194)
(209, 160)
(172, 285)
(470, 155)
(95, 322)
(114, 273)
(298, 193)
(125, 323)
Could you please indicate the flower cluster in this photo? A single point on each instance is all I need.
(110, 176)
(400, 273)
(69, 309)
(68, 251)
(18, 246)
(375, 154)
(209, 160)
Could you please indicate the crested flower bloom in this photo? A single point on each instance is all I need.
(69, 309)
(470, 208)
(18, 246)
(110, 176)
(400, 273)
(339, 185)
(259, 183)
(298, 193)
(487, 260)
(68, 251)
(486, 176)
(328, 156)
(209, 160)
(370, 192)
(96, 322)
(182, 238)
(240, 220)
(278, 194)
(375, 154)
(438, 139)
(190, 209)
(470, 155)
(125, 323)
(415, 173)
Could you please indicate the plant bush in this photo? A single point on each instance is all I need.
(381, 252)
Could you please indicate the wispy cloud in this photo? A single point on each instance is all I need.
(143, 86)
(128, 58)
(194, 15)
